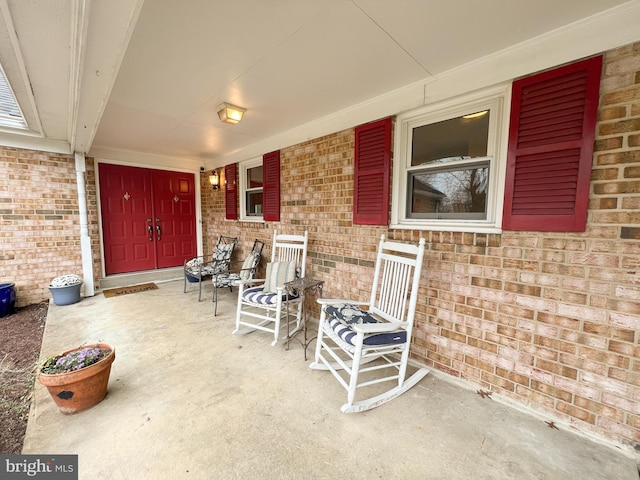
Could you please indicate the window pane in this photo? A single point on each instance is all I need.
(254, 203)
(450, 140)
(254, 177)
(449, 194)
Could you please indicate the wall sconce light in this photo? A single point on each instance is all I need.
(214, 180)
(230, 114)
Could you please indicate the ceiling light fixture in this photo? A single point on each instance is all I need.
(230, 114)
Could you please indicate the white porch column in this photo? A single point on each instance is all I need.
(85, 240)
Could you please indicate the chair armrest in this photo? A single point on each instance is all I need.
(203, 258)
(250, 281)
(334, 301)
(380, 327)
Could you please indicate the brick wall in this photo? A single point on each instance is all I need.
(39, 218)
(549, 320)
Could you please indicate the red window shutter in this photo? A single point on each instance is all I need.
(372, 166)
(271, 187)
(551, 139)
(231, 191)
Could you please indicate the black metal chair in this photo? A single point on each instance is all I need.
(246, 271)
(199, 268)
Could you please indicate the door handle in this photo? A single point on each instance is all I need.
(159, 231)
(150, 231)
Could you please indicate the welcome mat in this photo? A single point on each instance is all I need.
(116, 292)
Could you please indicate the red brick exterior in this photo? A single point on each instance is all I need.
(549, 320)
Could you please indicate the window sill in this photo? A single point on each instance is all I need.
(448, 227)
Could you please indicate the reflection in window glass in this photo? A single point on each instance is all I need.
(460, 193)
(254, 203)
(254, 192)
(254, 177)
(450, 140)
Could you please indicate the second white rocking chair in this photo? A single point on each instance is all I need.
(351, 334)
(261, 307)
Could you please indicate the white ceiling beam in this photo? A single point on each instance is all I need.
(109, 30)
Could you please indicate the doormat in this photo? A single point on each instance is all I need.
(116, 292)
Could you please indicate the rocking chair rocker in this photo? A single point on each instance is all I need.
(260, 306)
(353, 334)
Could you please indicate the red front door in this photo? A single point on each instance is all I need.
(148, 218)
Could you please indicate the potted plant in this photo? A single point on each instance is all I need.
(65, 289)
(77, 379)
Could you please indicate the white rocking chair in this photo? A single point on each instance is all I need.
(353, 334)
(260, 307)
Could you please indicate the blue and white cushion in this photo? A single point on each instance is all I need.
(193, 266)
(342, 317)
(220, 281)
(250, 263)
(258, 296)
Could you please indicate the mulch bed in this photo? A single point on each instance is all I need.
(20, 341)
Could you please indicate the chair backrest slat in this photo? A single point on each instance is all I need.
(290, 248)
(396, 280)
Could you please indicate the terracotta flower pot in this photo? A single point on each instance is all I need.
(80, 389)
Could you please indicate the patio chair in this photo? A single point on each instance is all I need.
(352, 334)
(199, 268)
(260, 307)
(246, 271)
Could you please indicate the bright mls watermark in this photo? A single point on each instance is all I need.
(49, 467)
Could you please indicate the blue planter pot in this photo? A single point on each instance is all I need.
(7, 298)
(66, 295)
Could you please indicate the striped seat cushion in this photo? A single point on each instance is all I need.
(258, 296)
(341, 319)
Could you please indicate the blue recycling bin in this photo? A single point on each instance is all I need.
(7, 298)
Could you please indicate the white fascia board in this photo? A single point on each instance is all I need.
(149, 160)
(35, 142)
(107, 35)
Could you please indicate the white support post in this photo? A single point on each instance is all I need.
(85, 240)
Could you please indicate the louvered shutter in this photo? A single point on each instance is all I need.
(271, 187)
(551, 139)
(372, 166)
(231, 191)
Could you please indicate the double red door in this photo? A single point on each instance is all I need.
(148, 218)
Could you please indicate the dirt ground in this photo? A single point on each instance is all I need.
(20, 341)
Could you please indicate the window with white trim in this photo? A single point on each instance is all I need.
(10, 112)
(251, 184)
(448, 173)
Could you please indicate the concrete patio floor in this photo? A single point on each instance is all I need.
(189, 400)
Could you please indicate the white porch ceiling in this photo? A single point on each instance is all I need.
(132, 79)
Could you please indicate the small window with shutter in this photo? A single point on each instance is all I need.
(259, 188)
